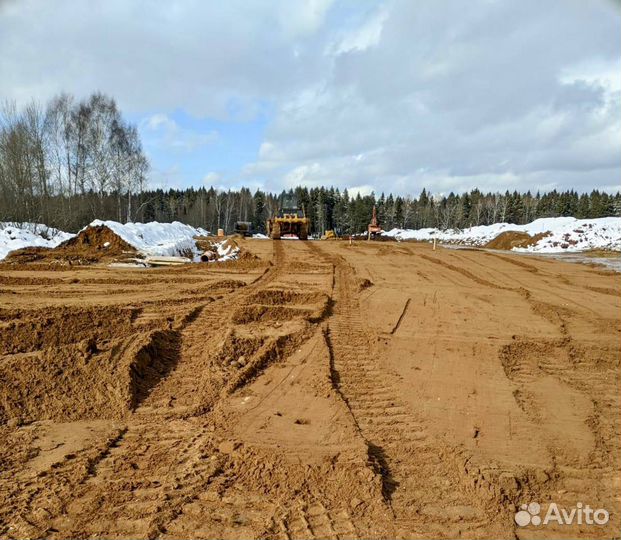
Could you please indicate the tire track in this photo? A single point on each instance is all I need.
(314, 520)
(418, 471)
(465, 273)
(140, 482)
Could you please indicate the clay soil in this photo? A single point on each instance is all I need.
(321, 390)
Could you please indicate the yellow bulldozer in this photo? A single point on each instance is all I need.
(288, 223)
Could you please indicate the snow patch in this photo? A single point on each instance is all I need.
(567, 234)
(22, 235)
(156, 239)
(226, 250)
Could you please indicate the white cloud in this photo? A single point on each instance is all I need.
(393, 95)
(354, 191)
(166, 178)
(365, 36)
(302, 18)
(212, 179)
(507, 96)
(606, 73)
(161, 131)
(311, 174)
(160, 121)
(217, 59)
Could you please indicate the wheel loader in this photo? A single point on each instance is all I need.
(288, 223)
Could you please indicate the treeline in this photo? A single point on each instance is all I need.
(59, 158)
(328, 208)
(69, 162)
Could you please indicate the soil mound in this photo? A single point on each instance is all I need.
(53, 327)
(98, 237)
(85, 380)
(90, 245)
(94, 242)
(511, 239)
(282, 305)
(279, 297)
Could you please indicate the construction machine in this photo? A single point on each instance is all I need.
(243, 228)
(289, 222)
(373, 229)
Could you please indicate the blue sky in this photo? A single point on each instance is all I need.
(387, 95)
(190, 151)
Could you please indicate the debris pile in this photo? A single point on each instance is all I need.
(225, 250)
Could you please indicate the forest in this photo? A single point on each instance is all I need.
(69, 162)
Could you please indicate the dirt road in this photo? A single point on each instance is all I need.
(323, 391)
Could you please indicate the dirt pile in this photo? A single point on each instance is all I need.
(512, 239)
(282, 305)
(93, 244)
(68, 364)
(88, 379)
(54, 327)
(99, 239)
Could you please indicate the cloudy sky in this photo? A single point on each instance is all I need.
(371, 95)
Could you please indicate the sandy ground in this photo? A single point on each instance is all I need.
(379, 390)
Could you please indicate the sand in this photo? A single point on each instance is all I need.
(319, 390)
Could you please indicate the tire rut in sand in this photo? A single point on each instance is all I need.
(161, 459)
(315, 521)
(465, 273)
(427, 492)
(588, 373)
(131, 490)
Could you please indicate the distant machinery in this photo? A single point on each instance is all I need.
(373, 228)
(289, 222)
(244, 228)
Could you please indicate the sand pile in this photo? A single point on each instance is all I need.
(514, 239)
(88, 379)
(113, 241)
(90, 245)
(96, 239)
(67, 364)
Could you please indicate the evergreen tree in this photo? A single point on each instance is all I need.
(259, 217)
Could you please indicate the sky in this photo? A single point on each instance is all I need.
(384, 96)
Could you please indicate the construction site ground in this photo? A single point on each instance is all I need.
(378, 390)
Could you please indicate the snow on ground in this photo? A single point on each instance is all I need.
(567, 234)
(260, 236)
(157, 239)
(21, 235)
(226, 250)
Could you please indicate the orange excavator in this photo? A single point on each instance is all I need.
(374, 227)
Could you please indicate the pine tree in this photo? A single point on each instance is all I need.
(259, 215)
(398, 218)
